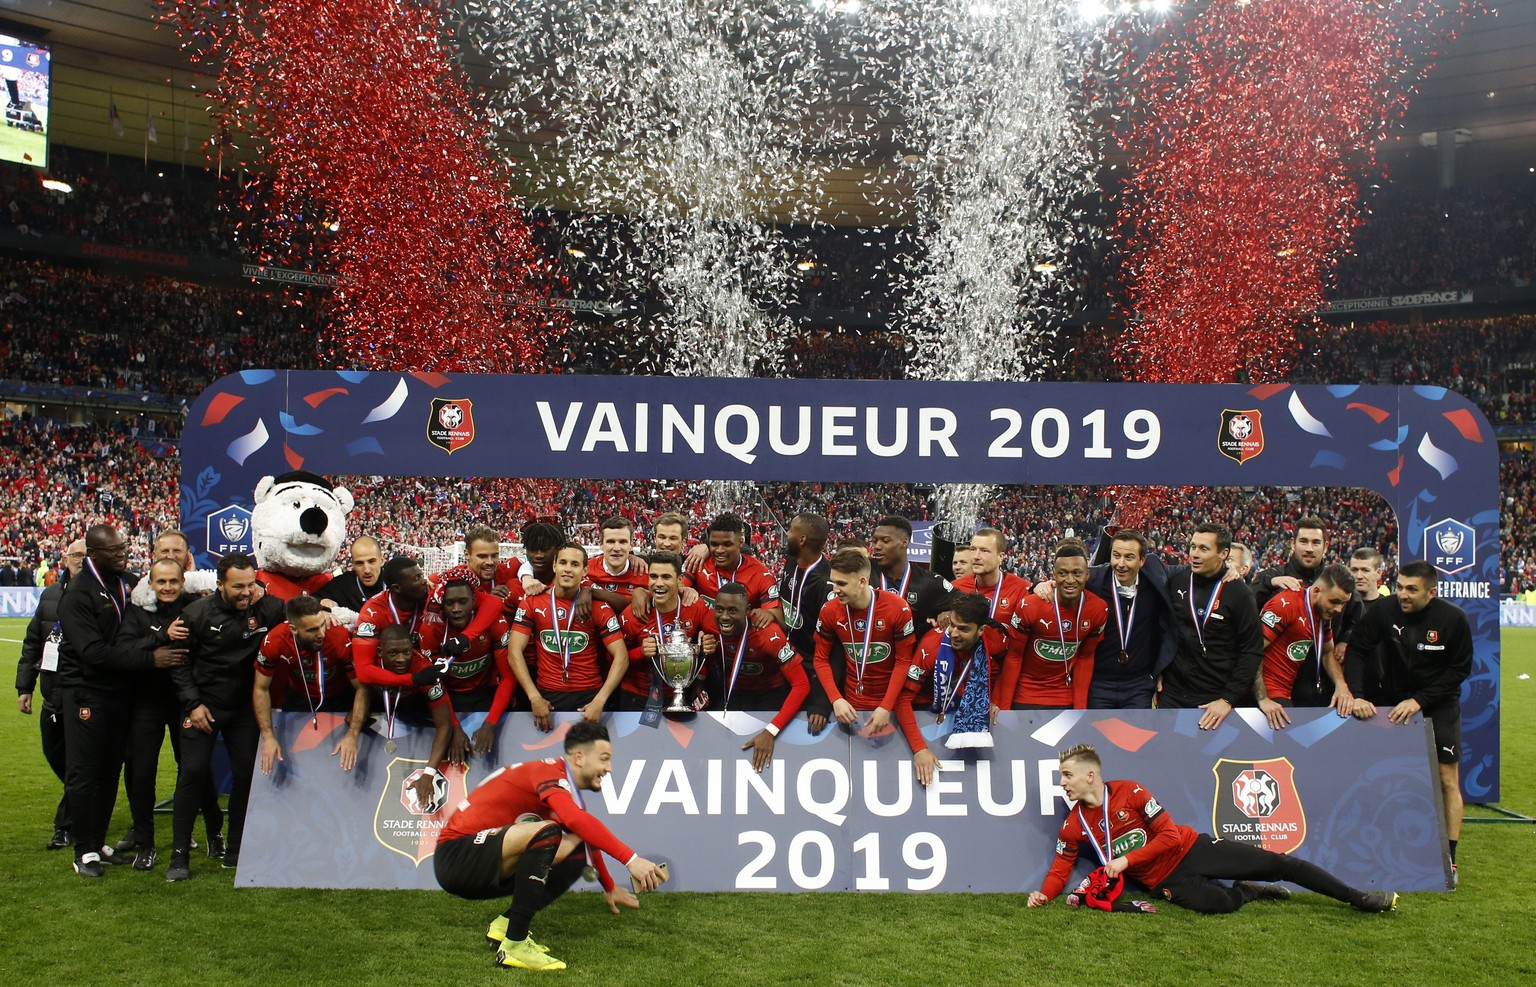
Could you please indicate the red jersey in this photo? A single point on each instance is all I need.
(1050, 661)
(887, 625)
(1006, 597)
(509, 573)
(542, 789)
(692, 619)
(919, 684)
(1139, 830)
(762, 587)
(624, 583)
(310, 674)
(484, 664)
(378, 613)
(1293, 630)
(572, 656)
(766, 661)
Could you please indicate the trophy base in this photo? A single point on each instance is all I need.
(679, 708)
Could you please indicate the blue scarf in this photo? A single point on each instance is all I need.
(963, 692)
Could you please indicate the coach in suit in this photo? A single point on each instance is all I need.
(1141, 637)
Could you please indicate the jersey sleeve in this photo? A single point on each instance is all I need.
(1067, 840)
(825, 637)
(607, 623)
(902, 643)
(506, 682)
(774, 643)
(270, 654)
(581, 822)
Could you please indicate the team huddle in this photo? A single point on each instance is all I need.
(857, 633)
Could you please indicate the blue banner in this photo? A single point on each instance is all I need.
(19, 601)
(1427, 450)
(844, 812)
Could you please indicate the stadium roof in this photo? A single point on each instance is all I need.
(104, 50)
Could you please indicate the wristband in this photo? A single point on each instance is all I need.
(431, 771)
(772, 729)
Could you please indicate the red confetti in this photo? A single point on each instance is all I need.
(1378, 415)
(1465, 423)
(365, 129)
(219, 407)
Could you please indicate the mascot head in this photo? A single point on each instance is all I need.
(299, 523)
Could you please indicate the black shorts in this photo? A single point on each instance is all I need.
(470, 866)
(1446, 720)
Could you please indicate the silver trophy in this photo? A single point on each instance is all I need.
(678, 662)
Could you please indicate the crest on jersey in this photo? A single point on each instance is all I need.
(414, 805)
(451, 424)
(1256, 802)
(1242, 434)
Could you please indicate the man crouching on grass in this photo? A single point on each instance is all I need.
(524, 830)
(1132, 836)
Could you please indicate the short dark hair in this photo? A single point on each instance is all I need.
(542, 536)
(970, 608)
(1071, 548)
(671, 517)
(1143, 543)
(578, 546)
(1222, 532)
(1312, 522)
(616, 521)
(896, 521)
(299, 607)
(393, 634)
(234, 560)
(998, 538)
(733, 589)
(1419, 569)
(849, 560)
(666, 558)
(396, 567)
(1338, 577)
(584, 732)
(1369, 555)
(816, 528)
(730, 524)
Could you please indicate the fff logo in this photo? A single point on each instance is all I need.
(1450, 546)
(229, 530)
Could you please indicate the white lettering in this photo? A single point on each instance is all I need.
(832, 429)
(673, 424)
(740, 450)
(712, 788)
(942, 785)
(1049, 790)
(872, 789)
(829, 811)
(642, 427)
(935, 427)
(616, 795)
(989, 803)
(769, 789)
(898, 444)
(776, 431)
(605, 427)
(672, 773)
(559, 439)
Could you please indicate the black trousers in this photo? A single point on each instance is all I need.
(95, 735)
(50, 721)
(153, 715)
(1193, 884)
(194, 778)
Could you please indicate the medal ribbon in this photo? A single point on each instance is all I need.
(955, 682)
(1200, 617)
(1107, 853)
(314, 707)
(581, 803)
(1061, 632)
(869, 630)
(415, 616)
(1315, 631)
(565, 645)
(997, 593)
(1125, 621)
(905, 577)
(797, 589)
(389, 709)
(119, 599)
(741, 652)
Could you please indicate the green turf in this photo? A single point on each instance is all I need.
(136, 928)
(16, 143)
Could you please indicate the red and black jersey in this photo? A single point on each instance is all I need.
(537, 790)
(509, 573)
(309, 674)
(1139, 830)
(1293, 630)
(886, 623)
(484, 664)
(919, 684)
(692, 619)
(624, 583)
(572, 656)
(762, 588)
(767, 661)
(1050, 661)
(1005, 597)
(378, 613)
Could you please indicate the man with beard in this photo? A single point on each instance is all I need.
(477, 673)
(642, 688)
(224, 632)
(39, 665)
(952, 661)
(305, 666)
(1309, 553)
(1296, 624)
(98, 675)
(1220, 645)
(1050, 660)
(1005, 592)
(803, 589)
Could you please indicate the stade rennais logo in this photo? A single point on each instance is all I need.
(1450, 546)
(414, 806)
(1242, 434)
(229, 530)
(451, 424)
(1257, 803)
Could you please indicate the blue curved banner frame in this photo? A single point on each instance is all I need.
(1427, 450)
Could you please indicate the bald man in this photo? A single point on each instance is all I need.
(352, 591)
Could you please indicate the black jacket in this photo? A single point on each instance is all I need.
(90, 657)
(40, 629)
(1153, 581)
(1234, 643)
(1424, 656)
(144, 631)
(927, 594)
(221, 651)
(813, 591)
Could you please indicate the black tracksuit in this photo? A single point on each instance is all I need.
(43, 630)
(1225, 665)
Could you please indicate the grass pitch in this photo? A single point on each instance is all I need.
(133, 928)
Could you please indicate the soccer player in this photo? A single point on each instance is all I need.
(1050, 659)
(760, 669)
(1425, 646)
(398, 657)
(403, 602)
(727, 536)
(1298, 623)
(1130, 834)
(542, 538)
(570, 674)
(1004, 591)
(875, 629)
(477, 673)
(305, 665)
(926, 593)
(669, 533)
(966, 653)
(224, 632)
(617, 576)
(482, 554)
(803, 588)
(1220, 645)
(642, 688)
(1309, 552)
(525, 831)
